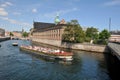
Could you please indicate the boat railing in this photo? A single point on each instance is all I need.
(47, 50)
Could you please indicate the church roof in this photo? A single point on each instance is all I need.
(57, 20)
(40, 25)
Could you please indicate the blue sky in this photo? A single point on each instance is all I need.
(18, 14)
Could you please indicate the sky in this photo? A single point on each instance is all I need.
(18, 14)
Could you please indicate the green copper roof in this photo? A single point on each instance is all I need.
(57, 20)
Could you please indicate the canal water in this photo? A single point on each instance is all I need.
(17, 65)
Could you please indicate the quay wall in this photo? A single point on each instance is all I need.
(48, 42)
(75, 46)
(86, 47)
(4, 39)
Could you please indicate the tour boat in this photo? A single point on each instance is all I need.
(48, 53)
(15, 44)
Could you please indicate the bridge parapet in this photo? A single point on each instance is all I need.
(115, 49)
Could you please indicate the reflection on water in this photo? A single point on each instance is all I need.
(17, 65)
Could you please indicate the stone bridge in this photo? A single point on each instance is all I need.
(114, 49)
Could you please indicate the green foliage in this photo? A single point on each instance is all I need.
(87, 39)
(68, 34)
(25, 34)
(11, 34)
(79, 35)
(104, 34)
(103, 37)
(100, 41)
(92, 33)
(74, 22)
(73, 32)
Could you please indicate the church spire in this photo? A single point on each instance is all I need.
(57, 20)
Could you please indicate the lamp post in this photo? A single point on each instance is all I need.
(109, 24)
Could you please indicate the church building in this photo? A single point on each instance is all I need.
(49, 33)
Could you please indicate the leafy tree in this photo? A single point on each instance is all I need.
(11, 34)
(73, 32)
(68, 34)
(74, 22)
(91, 33)
(79, 35)
(103, 37)
(104, 34)
(25, 34)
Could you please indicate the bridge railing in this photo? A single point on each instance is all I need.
(115, 46)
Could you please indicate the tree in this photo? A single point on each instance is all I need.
(73, 32)
(79, 34)
(68, 34)
(92, 33)
(25, 34)
(104, 34)
(103, 37)
(74, 22)
(11, 34)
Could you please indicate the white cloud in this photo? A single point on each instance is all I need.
(16, 13)
(9, 20)
(3, 12)
(67, 11)
(6, 4)
(3, 5)
(112, 3)
(15, 21)
(61, 12)
(34, 10)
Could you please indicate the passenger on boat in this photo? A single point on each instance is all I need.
(57, 50)
(61, 51)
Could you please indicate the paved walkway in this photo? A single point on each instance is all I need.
(115, 48)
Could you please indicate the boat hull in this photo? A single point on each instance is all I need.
(15, 44)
